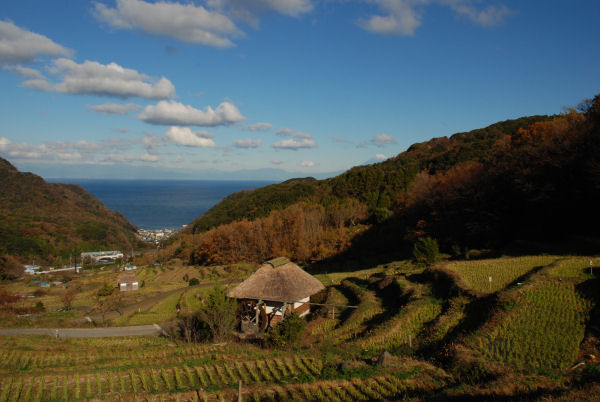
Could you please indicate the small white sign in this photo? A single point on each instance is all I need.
(490, 278)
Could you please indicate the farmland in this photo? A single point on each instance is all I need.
(447, 340)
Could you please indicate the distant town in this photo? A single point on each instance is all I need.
(156, 235)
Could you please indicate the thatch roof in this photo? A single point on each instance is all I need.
(127, 277)
(278, 280)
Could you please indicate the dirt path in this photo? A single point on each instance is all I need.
(151, 301)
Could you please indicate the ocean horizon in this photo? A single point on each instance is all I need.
(161, 204)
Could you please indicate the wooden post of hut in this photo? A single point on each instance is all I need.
(279, 285)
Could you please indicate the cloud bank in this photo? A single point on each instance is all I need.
(295, 144)
(171, 113)
(185, 22)
(18, 45)
(247, 143)
(403, 17)
(114, 108)
(184, 136)
(112, 80)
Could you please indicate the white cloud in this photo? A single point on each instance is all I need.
(276, 162)
(108, 151)
(111, 159)
(247, 143)
(288, 132)
(186, 137)
(488, 17)
(38, 84)
(307, 164)
(403, 17)
(25, 72)
(68, 156)
(248, 10)
(185, 22)
(114, 108)
(18, 45)
(380, 157)
(259, 127)
(175, 113)
(63, 151)
(381, 140)
(148, 158)
(151, 141)
(93, 78)
(295, 144)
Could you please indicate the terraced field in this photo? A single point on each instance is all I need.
(535, 328)
(546, 319)
(502, 271)
(157, 369)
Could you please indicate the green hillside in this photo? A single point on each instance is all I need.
(46, 220)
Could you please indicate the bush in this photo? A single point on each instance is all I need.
(287, 332)
(471, 372)
(591, 373)
(105, 290)
(426, 251)
(194, 282)
(218, 312)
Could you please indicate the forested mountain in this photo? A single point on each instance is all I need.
(376, 185)
(47, 220)
(533, 179)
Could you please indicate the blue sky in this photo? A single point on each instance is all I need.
(179, 89)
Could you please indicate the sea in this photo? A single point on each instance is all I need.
(161, 204)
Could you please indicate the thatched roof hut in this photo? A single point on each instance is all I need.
(278, 280)
(127, 281)
(279, 286)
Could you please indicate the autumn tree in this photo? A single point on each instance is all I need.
(10, 267)
(67, 299)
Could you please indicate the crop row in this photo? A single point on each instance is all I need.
(544, 332)
(448, 321)
(22, 360)
(402, 328)
(574, 267)
(372, 389)
(149, 381)
(368, 307)
(502, 271)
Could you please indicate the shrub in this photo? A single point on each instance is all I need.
(218, 312)
(194, 282)
(471, 372)
(105, 290)
(591, 373)
(287, 332)
(426, 251)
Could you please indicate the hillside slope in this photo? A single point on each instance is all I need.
(376, 185)
(533, 182)
(52, 219)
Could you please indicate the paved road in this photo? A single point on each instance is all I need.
(85, 332)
